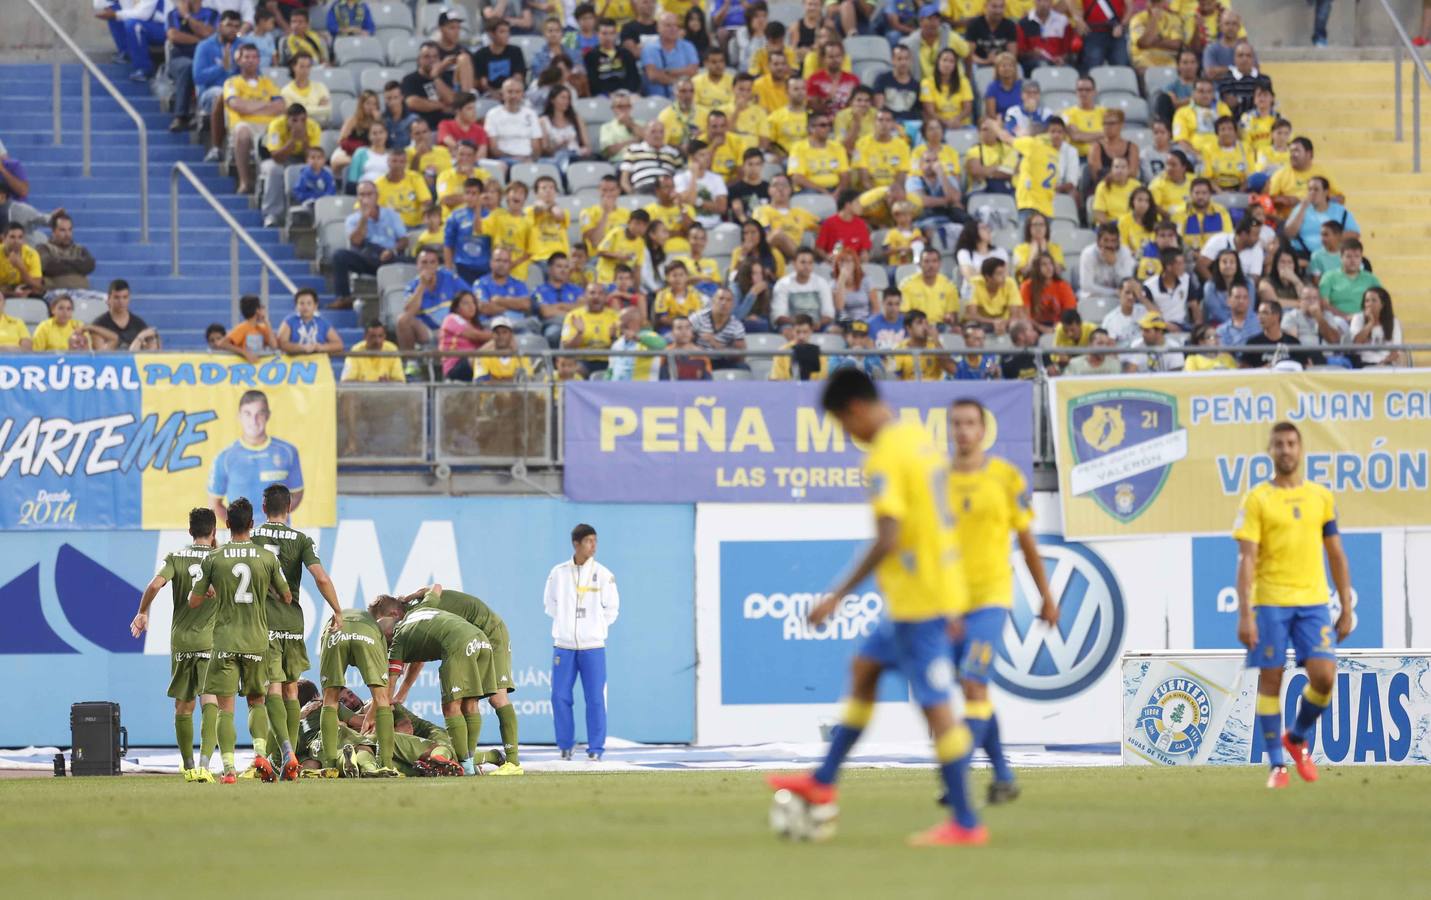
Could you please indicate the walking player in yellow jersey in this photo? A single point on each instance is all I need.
(1282, 528)
(990, 498)
(915, 561)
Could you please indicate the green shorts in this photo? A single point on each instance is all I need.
(236, 675)
(188, 670)
(287, 658)
(502, 658)
(468, 672)
(350, 648)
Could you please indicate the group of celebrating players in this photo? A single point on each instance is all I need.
(940, 558)
(238, 630)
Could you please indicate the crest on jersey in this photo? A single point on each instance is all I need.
(1040, 663)
(1124, 444)
(1175, 717)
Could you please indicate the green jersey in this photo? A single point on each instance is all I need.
(192, 629)
(466, 606)
(240, 572)
(295, 553)
(427, 634)
(357, 621)
(420, 726)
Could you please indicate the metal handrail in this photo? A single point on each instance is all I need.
(124, 104)
(1403, 44)
(236, 233)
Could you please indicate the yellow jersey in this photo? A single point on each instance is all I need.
(875, 206)
(1196, 125)
(812, 64)
(909, 482)
(948, 160)
(1256, 131)
(995, 304)
(12, 331)
(936, 301)
(1288, 526)
(1134, 236)
(11, 276)
(50, 335)
(1171, 198)
(671, 216)
(771, 96)
(1023, 251)
(844, 123)
(903, 367)
(780, 366)
(434, 239)
(792, 222)
(900, 245)
(1270, 157)
(1036, 180)
(884, 160)
(632, 251)
(997, 155)
(990, 506)
(615, 221)
(438, 160)
(368, 368)
(668, 304)
(621, 11)
(451, 182)
(501, 368)
(788, 127)
(750, 126)
(279, 135)
(1112, 200)
(760, 61)
(261, 89)
(408, 197)
(598, 328)
(511, 231)
(547, 233)
(713, 93)
(1289, 182)
(822, 165)
(1169, 27)
(681, 124)
(948, 104)
(1226, 167)
(725, 156)
(953, 40)
(1084, 120)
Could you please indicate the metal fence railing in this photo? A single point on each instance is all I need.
(1402, 45)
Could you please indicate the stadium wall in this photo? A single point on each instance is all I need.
(68, 598)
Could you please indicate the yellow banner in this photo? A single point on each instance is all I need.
(237, 429)
(1160, 454)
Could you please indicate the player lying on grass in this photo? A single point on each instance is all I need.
(241, 574)
(191, 643)
(467, 671)
(915, 560)
(477, 613)
(363, 645)
(357, 755)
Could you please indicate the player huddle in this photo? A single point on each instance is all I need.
(940, 558)
(238, 630)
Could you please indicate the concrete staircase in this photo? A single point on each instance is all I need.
(105, 205)
(1348, 109)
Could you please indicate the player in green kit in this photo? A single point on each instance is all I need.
(361, 643)
(467, 673)
(287, 651)
(480, 614)
(241, 573)
(191, 643)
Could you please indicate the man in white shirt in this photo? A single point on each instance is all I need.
(1171, 288)
(1155, 337)
(513, 128)
(802, 291)
(1244, 240)
(1102, 266)
(1312, 322)
(1121, 323)
(582, 601)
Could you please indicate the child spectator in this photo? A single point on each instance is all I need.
(253, 333)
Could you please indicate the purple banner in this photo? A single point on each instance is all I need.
(733, 442)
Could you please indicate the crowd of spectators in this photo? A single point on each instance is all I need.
(927, 197)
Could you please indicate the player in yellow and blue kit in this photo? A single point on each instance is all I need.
(915, 561)
(1282, 528)
(254, 461)
(990, 498)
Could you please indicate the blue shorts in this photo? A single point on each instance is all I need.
(975, 652)
(919, 651)
(1307, 628)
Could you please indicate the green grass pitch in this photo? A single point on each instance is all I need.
(1361, 832)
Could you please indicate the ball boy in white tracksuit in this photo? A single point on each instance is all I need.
(582, 601)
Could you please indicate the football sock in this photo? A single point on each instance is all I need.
(1313, 704)
(857, 716)
(474, 731)
(457, 729)
(383, 715)
(294, 722)
(208, 733)
(977, 715)
(228, 736)
(366, 762)
(278, 722)
(328, 731)
(507, 720)
(953, 749)
(258, 728)
(994, 746)
(184, 735)
(1269, 722)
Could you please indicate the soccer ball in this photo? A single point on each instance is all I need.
(795, 820)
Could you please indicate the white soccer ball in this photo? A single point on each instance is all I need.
(793, 819)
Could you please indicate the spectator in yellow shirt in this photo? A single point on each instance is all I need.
(251, 101)
(819, 165)
(995, 301)
(14, 335)
(678, 298)
(21, 274)
(548, 222)
(1085, 120)
(782, 368)
(1171, 189)
(883, 156)
(683, 118)
(770, 88)
(1110, 201)
(289, 137)
(61, 331)
(1155, 36)
(425, 157)
(509, 227)
(402, 191)
(714, 86)
(1288, 186)
(623, 246)
(591, 326)
(945, 93)
(1195, 125)
(370, 369)
(921, 335)
(930, 292)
